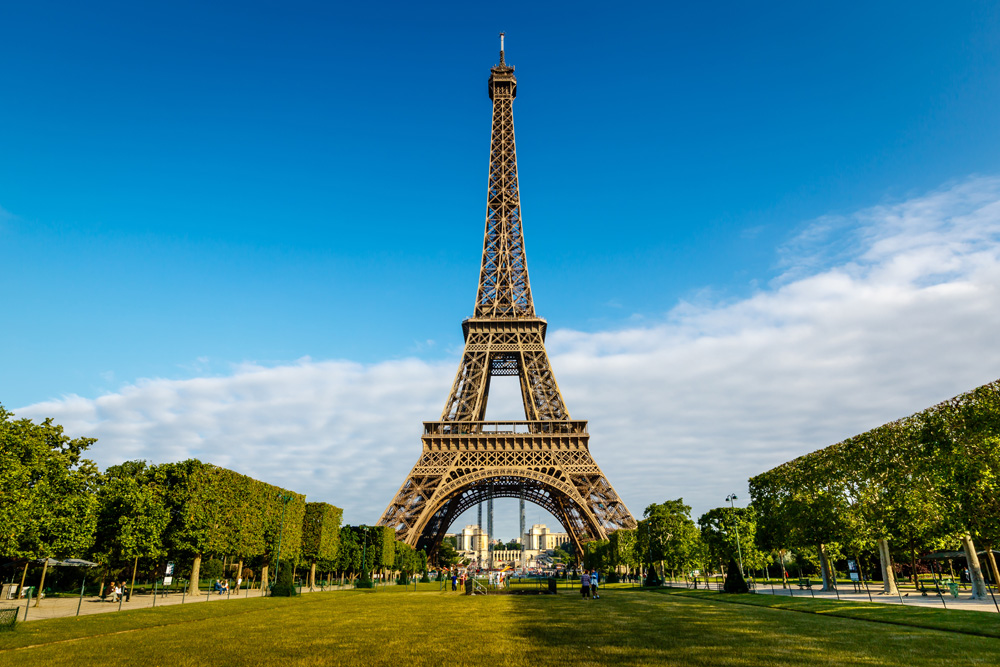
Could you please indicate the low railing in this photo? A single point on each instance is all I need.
(506, 428)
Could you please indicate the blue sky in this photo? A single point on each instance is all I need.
(189, 191)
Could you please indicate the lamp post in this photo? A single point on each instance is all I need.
(277, 567)
(731, 497)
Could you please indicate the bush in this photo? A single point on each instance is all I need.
(285, 587)
(734, 579)
(612, 578)
(425, 579)
(364, 581)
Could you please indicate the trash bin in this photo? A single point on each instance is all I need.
(552, 585)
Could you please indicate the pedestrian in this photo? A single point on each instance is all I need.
(454, 581)
(593, 585)
(585, 585)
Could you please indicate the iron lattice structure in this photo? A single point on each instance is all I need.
(544, 459)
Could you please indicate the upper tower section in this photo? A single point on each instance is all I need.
(504, 291)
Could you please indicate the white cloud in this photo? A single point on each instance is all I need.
(901, 313)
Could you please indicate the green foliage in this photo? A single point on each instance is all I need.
(933, 475)
(735, 583)
(218, 511)
(132, 514)
(623, 548)
(212, 569)
(47, 501)
(447, 555)
(719, 530)
(368, 548)
(668, 535)
(597, 555)
(561, 556)
(406, 559)
(285, 586)
(321, 532)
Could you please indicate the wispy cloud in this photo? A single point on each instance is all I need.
(903, 313)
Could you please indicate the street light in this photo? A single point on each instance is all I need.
(285, 499)
(731, 497)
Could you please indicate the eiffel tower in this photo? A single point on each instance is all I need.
(544, 459)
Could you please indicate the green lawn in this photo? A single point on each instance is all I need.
(427, 627)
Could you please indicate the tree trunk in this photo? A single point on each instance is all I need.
(41, 584)
(239, 569)
(135, 566)
(312, 576)
(263, 578)
(993, 565)
(888, 575)
(195, 575)
(24, 573)
(978, 585)
(829, 581)
(913, 561)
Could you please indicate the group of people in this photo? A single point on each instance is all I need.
(117, 590)
(222, 587)
(588, 584)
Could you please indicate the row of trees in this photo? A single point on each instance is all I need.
(667, 541)
(929, 481)
(54, 503)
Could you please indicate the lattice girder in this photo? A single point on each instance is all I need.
(545, 458)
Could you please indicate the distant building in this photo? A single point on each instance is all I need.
(473, 544)
(541, 539)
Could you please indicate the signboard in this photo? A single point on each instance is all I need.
(167, 578)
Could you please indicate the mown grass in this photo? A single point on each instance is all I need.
(952, 620)
(429, 627)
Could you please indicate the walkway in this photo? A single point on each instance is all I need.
(61, 607)
(846, 593)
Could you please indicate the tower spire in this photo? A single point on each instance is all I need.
(504, 290)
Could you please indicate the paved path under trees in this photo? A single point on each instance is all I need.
(62, 607)
(906, 598)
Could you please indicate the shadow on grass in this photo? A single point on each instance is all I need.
(948, 620)
(626, 628)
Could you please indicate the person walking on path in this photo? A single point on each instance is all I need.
(585, 585)
(454, 581)
(593, 585)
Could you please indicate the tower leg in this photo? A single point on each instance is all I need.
(523, 564)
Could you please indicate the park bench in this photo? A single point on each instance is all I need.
(938, 588)
(805, 583)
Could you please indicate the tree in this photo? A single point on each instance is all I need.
(132, 515)
(623, 549)
(47, 502)
(719, 530)
(320, 535)
(448, 556)
(667, 535)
